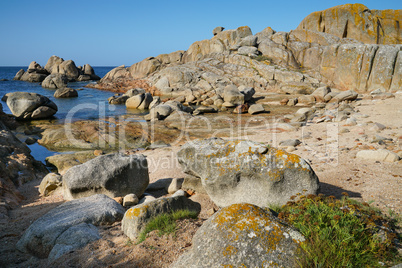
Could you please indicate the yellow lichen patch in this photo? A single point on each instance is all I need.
(229, 250)
(246, 221)
(135, 212)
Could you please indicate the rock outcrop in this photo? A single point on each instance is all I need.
(244, 171)
(113, 175)
(358, 22)
(49, 233)
(56, 66)
(17, 167)
(348, 47)
(243, 235)
(27, 106)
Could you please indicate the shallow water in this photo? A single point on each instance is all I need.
(90, 104)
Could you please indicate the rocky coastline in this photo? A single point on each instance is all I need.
(230, 129)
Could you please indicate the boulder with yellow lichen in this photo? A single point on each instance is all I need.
(243, 235)
(244, 171)
(136, 218)
(355, 21)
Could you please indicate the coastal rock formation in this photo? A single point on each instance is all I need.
(243, 235)
(51, 229)
(56, 66)
(358, 22)
(136, 218)
(347, 47)
(24, 105)
(17, 167)
(246, 171)
(66, 93)
(113, 175)
(55, 81)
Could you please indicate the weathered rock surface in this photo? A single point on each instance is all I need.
(137, 217)
(75, 237)
(17, 167)
(50, 229)
(113, 175)
(26, 105)
(63, 162)
(246, 171)
(55, 81)
(356, 21)
(56, 67)
(66, 93)
(243, 235)
(49, 183)
(348, 47)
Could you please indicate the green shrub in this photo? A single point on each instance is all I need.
(341, 233)
(165, 223)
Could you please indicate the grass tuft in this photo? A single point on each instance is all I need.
(342, 233)
(165, 223)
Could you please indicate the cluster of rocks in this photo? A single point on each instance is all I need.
(91, 186)
(352, 55)
(56, 65)
(17, 166)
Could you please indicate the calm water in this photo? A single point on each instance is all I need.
(90, 104)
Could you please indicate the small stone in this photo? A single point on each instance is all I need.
(290, 142)
(378, 127)
(256, 108)
(378, 155)
(284, 101)
(147, 198)
(130, 200)
(344, 130)
(175, 185)
(118, 200)
(179, 193)
(98, 152)
(228, 104)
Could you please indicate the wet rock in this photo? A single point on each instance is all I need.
(243, 235)
(66, 93)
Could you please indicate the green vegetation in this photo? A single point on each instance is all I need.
(341, 233)
(165, 223)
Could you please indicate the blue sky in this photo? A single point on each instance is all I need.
(111, 33)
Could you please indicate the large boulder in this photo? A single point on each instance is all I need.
(136, 218)
(55, 81)
(243, 235)
(24, 105)
(113, 175)
(47, 231)
(245, 171)
(358, 22)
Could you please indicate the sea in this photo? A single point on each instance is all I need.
(90, 104)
